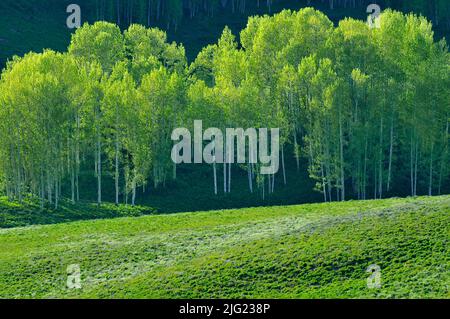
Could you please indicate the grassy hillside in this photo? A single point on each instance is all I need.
(13, 214)
(314, 250)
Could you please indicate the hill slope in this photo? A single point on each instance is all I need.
(314, 250)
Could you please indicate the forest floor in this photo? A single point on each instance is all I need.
(303, 251)
(191, 191)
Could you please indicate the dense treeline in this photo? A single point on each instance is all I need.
(170, 13)
(368, 108)
(124, 12)
(34, 25)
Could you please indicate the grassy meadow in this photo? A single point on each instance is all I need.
(304, 251)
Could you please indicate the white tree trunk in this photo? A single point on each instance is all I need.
(215, 178)
(273, 183)
(296, 151)
(391, 148)
(77, 160)
(116, 177)
(341, 142)
(282, 165)
(416, 168)
(430, 184)
(133, 196)
(56, 194)
(365, 168)
(444, 157)
(174, 171)
(99, 172)
(380, 169)
(411, 163)
(72, 182)
(250, 179)
(323, 185)
(229, 178)
(224, 177)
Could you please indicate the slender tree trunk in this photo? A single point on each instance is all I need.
(215, 178)
(328, 168)
(133, 196)
(49, 188)
(269, 184)
(375, 179)
(323, 184)
(341, 142)
(99, 171)
(229, 174)
(77, 160)
(411, 162)
(430, 184)
(73, 183)
(365, 168)
(116, 177)
(391, 148)
(126, 177)
(42, 190)
(224, 177)
(282, 165)
(250, 179)
(380, 169)
(174, 171)
(359, 177)
(444, 157)
(56, 194)
(19, 179)
(416, 168)
(273, 183)
(149, 8)
(118, 12)
(263, 188)
(296, 151)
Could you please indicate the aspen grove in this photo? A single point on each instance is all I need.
(367, 108)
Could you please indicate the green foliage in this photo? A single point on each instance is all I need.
(353, 101)
(101, 42)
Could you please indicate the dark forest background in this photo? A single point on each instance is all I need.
(37, 24)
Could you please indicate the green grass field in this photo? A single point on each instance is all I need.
(305, 251)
